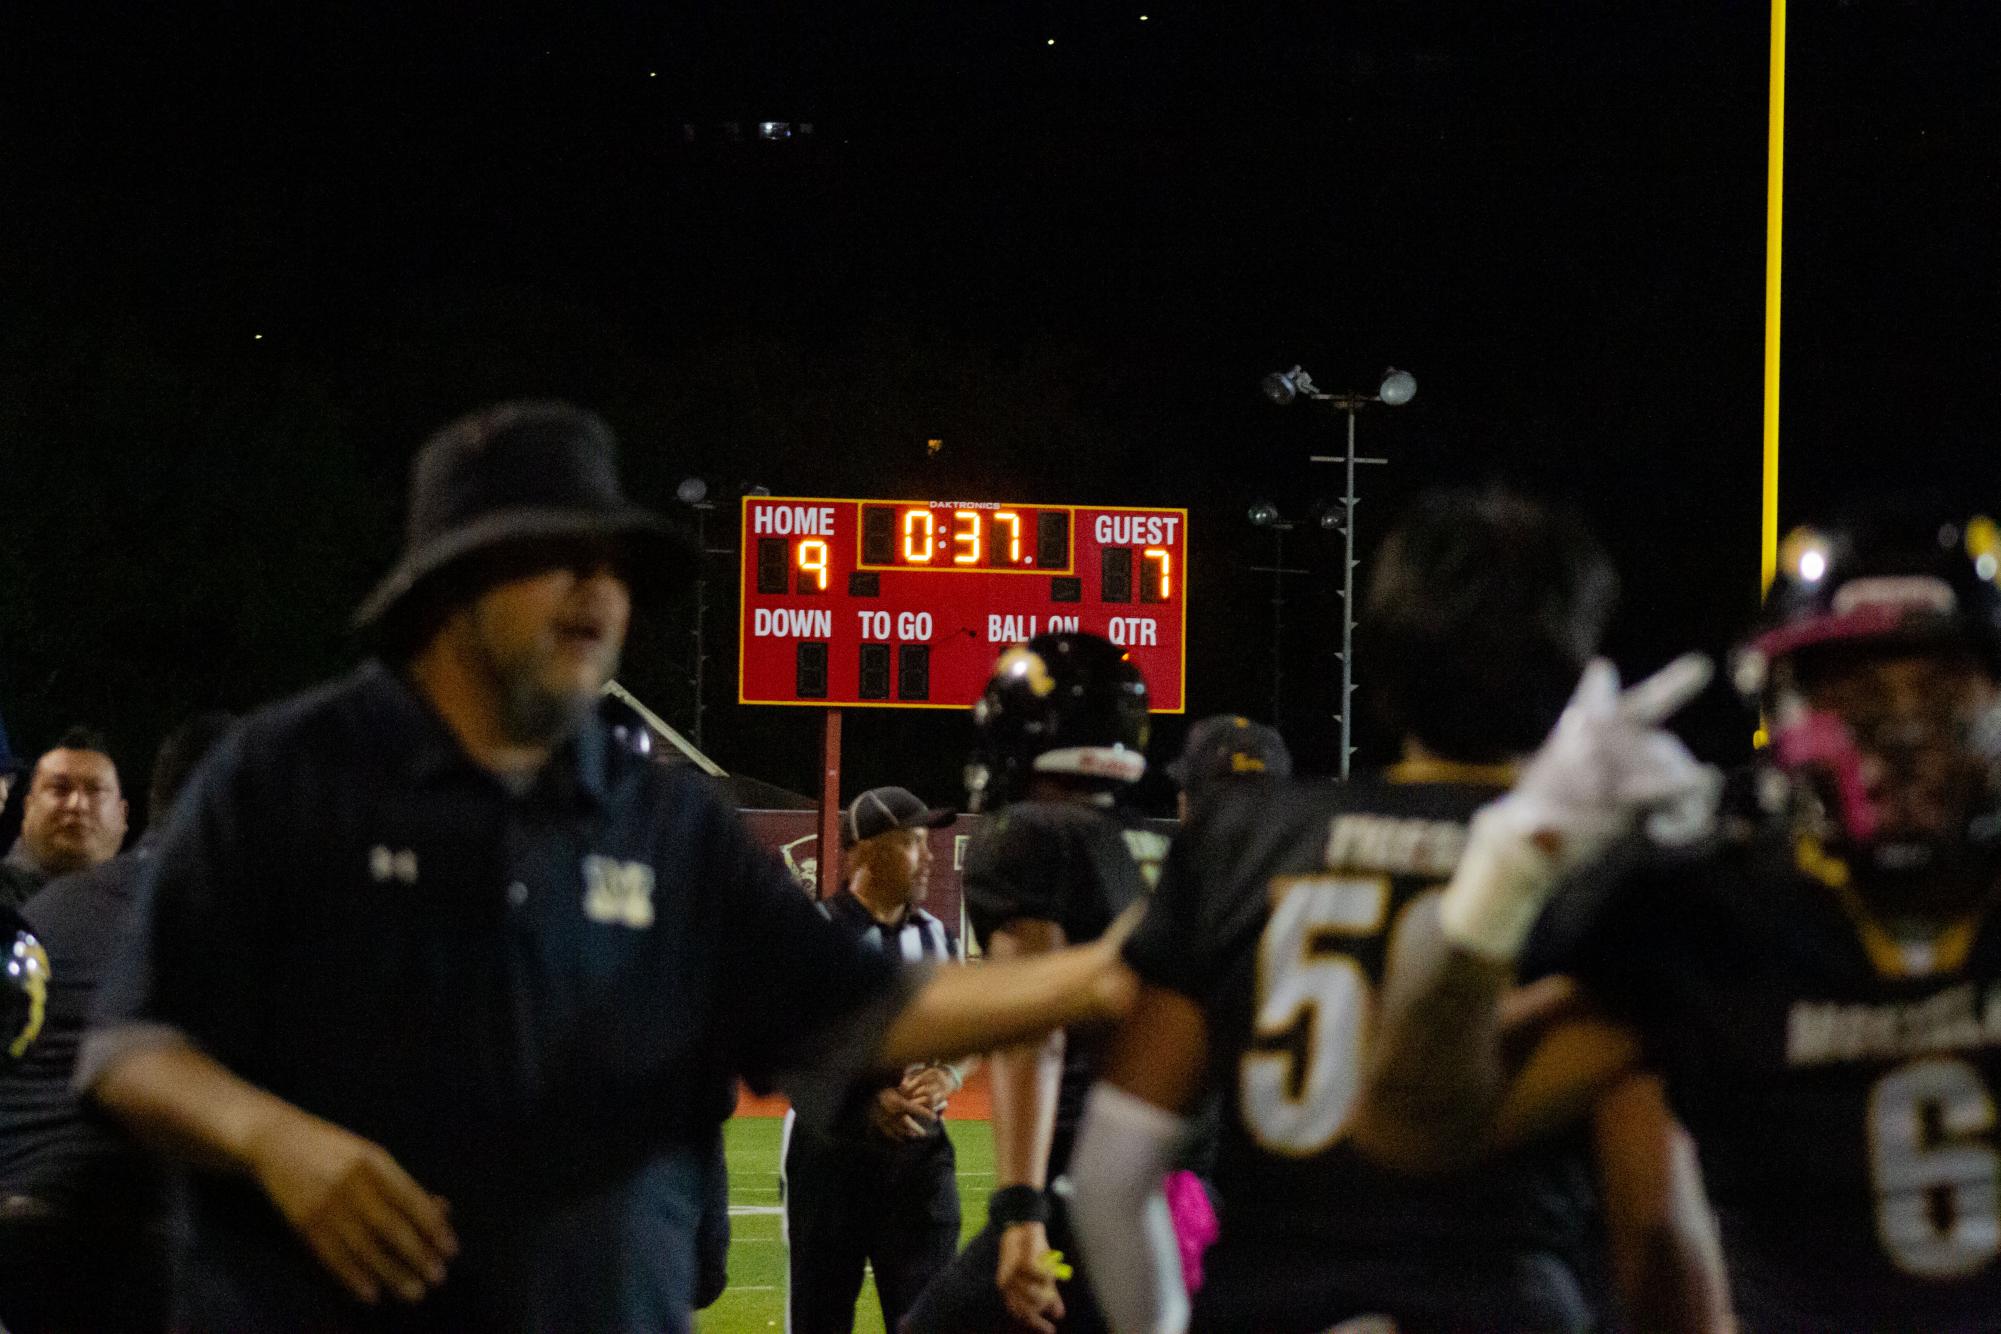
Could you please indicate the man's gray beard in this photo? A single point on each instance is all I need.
(532, 716)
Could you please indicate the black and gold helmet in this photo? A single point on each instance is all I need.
(1894, 577)
(1897, 578)
(1068, 705)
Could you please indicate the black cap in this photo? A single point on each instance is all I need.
(518, 472)
(882, 810)
(1229, 745)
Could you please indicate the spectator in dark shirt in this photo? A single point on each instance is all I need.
(83, 1241)
(432, 981)
(74, 817)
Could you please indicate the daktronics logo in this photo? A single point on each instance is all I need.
(965, 504)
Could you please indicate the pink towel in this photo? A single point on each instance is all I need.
(1195, 1226)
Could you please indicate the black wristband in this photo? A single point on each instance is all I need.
(1017, 1204)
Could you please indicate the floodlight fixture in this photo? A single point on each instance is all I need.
(1398, 388)
(1281, 387)
(692, 491)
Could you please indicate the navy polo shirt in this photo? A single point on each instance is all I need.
(529, 1000)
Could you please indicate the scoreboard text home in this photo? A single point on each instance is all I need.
(906, 603)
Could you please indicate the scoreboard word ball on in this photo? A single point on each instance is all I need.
(906, 603)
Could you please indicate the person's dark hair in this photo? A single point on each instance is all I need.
(178, 758)
(1482, 611)
(80, 737)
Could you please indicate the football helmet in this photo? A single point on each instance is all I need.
(1070, 705)
(1891, 581)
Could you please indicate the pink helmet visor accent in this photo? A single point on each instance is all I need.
(1820, 742)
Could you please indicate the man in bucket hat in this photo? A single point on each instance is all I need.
(430, 979)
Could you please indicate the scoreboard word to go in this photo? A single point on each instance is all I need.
(906, 603)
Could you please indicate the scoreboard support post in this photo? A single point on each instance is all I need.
(830, 804)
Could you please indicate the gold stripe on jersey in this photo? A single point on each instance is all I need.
(1946, 952)
(1431, 769)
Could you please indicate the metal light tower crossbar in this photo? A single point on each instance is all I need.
(1397, 388)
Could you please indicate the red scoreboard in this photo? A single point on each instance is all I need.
(906, 603)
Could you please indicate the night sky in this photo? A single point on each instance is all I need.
(252, 254)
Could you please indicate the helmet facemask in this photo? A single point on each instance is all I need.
(1894, 749)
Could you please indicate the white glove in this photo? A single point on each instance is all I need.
(1606, 764)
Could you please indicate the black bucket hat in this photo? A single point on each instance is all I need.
(512, 474)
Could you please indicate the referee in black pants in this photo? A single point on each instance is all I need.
(880, 1187)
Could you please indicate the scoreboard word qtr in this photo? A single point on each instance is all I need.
(906, 603)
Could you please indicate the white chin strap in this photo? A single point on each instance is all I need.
(1111, 762)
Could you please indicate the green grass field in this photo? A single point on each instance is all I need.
(755, 1301)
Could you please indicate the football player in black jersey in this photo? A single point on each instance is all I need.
(1062, 730)
(1260, 957)
(1818, 980)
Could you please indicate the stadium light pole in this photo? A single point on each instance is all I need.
(694, 493)
(1395, 389)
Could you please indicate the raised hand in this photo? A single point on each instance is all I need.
(1607, 765)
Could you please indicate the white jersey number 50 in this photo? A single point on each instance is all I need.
(1296, 1100)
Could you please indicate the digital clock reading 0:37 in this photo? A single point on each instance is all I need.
(989, 538)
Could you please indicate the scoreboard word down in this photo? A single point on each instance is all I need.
(906, 603)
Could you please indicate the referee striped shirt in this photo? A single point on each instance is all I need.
(920, 937)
